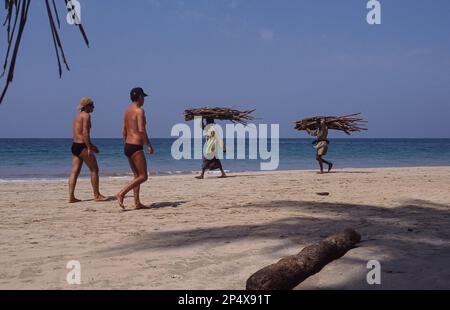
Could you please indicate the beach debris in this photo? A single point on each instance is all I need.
(228, 114)
(323, 193)
(346, 123)
(176, 276)
(392, 271)
(15, 22)
(290, 271)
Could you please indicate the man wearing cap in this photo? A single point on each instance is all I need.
(83, 150)
(135, 136)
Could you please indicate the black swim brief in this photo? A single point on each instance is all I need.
(130, 149)
(77, 148)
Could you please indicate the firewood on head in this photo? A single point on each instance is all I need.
(347, 123)
(290, 271)
(228, 114)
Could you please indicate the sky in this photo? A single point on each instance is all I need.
(289, 59)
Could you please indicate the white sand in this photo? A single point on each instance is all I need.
(214, 233)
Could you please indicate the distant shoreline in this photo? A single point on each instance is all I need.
(51, 158)
(212, 173)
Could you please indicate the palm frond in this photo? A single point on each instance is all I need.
(15, 22)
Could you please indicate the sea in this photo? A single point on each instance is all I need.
(25, 159)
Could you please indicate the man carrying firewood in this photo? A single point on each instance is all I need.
(213, 141)
(321, 144)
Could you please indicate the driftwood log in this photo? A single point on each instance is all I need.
(292, 270)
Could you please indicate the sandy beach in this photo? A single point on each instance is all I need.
(214, 233)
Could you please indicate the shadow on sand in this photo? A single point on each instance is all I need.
(158, 205)
(410, 234)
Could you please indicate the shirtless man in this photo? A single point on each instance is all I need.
(83, 150)
(135, 136)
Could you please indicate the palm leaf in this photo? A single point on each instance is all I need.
(15, 22)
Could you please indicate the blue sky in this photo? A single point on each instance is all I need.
(288, 59)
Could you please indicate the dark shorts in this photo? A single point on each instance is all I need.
(77, 148)
(211, 164)
(130, 149)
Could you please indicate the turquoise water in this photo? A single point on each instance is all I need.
(51, 158)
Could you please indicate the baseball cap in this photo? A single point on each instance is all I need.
(137, 91)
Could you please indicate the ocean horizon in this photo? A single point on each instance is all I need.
(40, 158)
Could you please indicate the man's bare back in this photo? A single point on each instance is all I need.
(81, 123)
(134, 125)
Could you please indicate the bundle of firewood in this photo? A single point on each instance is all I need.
(347, 123)
(228, 114)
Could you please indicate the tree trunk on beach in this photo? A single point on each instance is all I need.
(292, 270)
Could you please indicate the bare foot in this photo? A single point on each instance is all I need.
(330, 167)
(140, 206)
(101, 198)
(74, 200)
(200, 177)
(119, 198)
(320, 172)
(222, 176)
